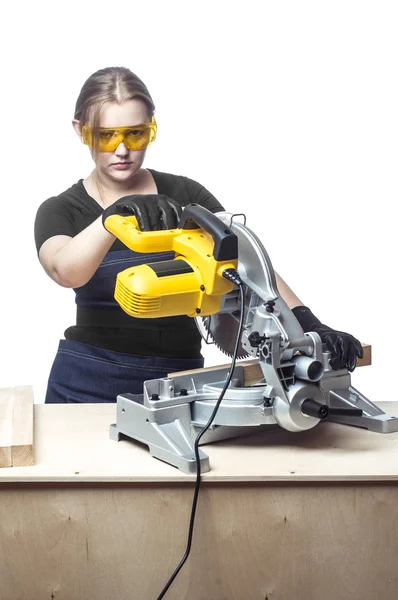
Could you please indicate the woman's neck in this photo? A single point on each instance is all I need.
(106, 192)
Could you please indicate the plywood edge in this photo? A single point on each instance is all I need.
(16, 426)
(253, 373)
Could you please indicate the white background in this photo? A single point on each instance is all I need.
(284, 110)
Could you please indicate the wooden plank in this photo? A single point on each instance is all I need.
(366, 360)
(6, 410)
(253, 372)
(16, 426)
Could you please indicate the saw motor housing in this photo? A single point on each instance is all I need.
(192, 283)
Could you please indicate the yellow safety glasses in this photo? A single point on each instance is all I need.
(136, 137)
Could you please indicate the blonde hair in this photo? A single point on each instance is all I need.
(112, 84)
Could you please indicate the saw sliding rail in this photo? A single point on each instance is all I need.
(297, 392)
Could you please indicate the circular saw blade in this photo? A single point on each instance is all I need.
(223, 330)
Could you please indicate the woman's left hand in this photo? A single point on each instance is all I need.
(344, 347)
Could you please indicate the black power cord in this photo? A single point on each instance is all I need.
(231, 275)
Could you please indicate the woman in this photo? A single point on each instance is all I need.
(108, 352)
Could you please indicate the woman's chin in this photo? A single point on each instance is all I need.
(122, 174)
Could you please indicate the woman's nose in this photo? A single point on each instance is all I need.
(121, 150)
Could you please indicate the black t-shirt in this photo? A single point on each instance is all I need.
(171, 337)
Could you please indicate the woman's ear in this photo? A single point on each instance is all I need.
(77, 128)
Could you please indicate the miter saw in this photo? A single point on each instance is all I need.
(298, 389)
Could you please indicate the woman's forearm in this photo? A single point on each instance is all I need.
(72, 262)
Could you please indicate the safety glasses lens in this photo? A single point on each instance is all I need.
(134, 138)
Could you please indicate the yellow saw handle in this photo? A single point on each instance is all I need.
(126, 230)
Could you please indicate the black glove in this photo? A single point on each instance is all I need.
(152, 211)
(344, 347)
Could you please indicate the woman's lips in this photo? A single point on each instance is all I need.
(121, 166)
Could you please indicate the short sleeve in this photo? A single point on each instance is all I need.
(52, 218)
(200, 195)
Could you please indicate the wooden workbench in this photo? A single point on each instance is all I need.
(308, 516)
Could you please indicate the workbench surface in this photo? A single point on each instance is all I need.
(72, 444)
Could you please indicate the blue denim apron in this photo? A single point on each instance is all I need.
(85, 373)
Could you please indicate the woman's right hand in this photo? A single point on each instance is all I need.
(153, 211)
